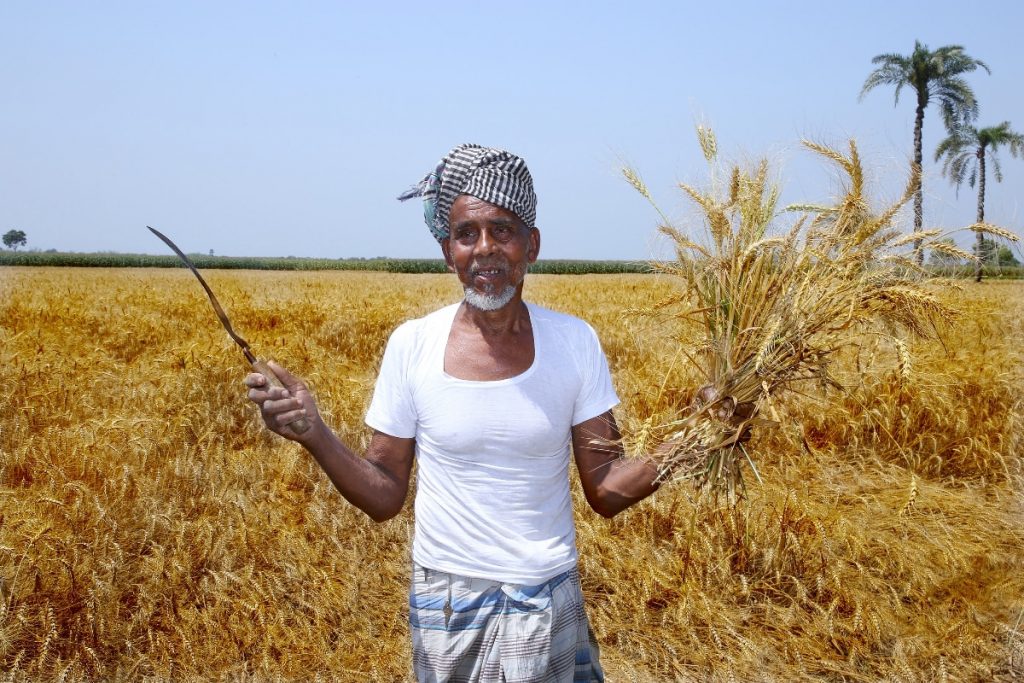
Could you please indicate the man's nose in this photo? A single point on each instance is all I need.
(485, 244)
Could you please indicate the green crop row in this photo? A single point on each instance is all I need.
(987, 272)
(115, 260)
(388, 265)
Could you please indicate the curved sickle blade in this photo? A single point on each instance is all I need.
(213, 299)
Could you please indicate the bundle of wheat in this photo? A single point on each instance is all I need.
(777, 305)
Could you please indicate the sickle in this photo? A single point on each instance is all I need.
(213, 299)
(299, 426)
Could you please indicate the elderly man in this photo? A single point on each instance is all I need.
(486, 395)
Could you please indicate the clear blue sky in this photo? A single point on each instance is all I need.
(288, 128)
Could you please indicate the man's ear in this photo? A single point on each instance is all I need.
(446, 250)
(533, 250)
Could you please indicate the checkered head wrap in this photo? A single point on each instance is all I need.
(492, 175)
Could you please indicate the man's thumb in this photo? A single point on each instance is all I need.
(290, 381)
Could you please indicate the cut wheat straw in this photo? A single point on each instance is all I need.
(777, 303)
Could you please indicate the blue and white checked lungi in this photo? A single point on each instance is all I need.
(475, 630)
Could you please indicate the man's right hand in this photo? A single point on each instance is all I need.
(376, 484)
(279, 406)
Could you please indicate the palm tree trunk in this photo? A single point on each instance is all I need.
(918, 158)
(981, 210)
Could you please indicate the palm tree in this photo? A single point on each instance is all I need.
(965, 152)
(938, 74)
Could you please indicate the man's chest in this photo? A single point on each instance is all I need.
(472, 357)
(529, 415)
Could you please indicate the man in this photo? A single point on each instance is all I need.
(486, 395)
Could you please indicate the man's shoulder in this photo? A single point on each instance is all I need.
(547, 316)
(431, 323)
(571, 330)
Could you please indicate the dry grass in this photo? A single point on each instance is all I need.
(150, 530)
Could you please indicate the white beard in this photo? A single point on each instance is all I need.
(489, 302)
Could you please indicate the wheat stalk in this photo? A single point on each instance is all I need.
(776, 308)
(994, 230)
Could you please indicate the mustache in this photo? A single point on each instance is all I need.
(499, 264)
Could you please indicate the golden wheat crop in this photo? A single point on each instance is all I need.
(150, 529)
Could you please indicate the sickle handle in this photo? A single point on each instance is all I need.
(299, 426)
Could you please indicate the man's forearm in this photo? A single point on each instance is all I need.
(362, 482)
(626, 483)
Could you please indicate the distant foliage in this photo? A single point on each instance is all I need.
(994, 254)
(388, 265)
(14, 239)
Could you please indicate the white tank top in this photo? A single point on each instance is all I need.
(492, 493)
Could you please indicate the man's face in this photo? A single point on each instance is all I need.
(490, 249)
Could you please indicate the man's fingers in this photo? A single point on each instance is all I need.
(288, 379)
(282, 420)
(280, 406)
(277, 406)
(264, 393)
(254, 380)
(744, 410)
(260, 388)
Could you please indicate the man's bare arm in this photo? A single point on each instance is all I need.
(377, 484)
(610, 483)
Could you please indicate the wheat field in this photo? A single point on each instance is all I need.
(150, 529)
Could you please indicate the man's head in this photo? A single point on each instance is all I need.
(480, 205)
(490, 249)
(493, 175)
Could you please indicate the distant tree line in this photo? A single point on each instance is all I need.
(390, 265)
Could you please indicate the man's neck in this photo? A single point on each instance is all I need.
(510, 320)
(490, 345)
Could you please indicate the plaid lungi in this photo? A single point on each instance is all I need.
(475, 630)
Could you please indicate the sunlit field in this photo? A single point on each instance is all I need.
(150, 529)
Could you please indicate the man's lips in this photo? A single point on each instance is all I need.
(487, 272)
